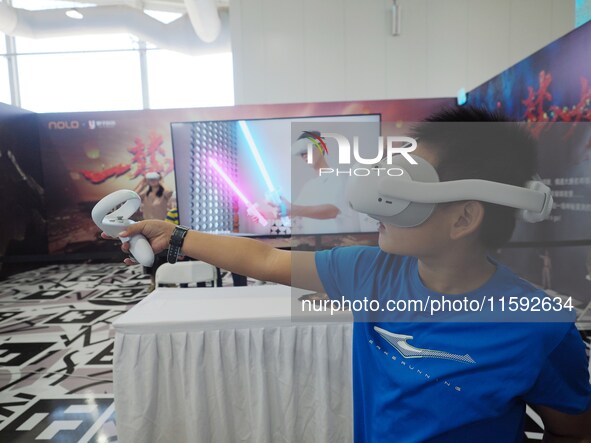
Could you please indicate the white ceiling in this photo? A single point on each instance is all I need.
(157, 5)
(198, 27)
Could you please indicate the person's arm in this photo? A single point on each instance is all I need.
(322, 212)
(564, 428)
(239, 255)
(140, 186)
(561, 394)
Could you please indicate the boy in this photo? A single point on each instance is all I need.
(426, 381)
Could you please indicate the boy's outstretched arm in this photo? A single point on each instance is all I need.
(240, 255)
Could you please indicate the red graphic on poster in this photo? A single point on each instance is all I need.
(145, 158)
(534, 103)
(105, 174)
(578, 112)
(534, 106)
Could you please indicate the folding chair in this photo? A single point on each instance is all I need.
(186, 272)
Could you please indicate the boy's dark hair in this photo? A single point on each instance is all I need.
(474, 143)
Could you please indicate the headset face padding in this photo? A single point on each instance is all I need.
(363, 192)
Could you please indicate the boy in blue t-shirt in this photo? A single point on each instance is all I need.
(449, 380)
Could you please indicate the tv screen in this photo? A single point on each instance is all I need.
(247, 177)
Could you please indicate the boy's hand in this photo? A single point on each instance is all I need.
(286, 205)
(157, 233)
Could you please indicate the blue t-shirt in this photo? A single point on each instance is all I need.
(420, 381)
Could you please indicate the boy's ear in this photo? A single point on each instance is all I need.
(467, 218)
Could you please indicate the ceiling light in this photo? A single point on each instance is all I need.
(75, 14)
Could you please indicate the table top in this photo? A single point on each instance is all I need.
(185, 309)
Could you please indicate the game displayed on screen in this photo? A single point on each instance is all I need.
(245, 176)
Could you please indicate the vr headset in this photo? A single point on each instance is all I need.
(407, 197)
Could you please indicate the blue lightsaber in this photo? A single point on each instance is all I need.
(273, 193)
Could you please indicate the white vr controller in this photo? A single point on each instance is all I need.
(113, 222)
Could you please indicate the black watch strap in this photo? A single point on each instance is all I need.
(176, 242)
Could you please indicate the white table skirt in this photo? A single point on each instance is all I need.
(278, 383)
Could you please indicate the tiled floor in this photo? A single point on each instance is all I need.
(56, 352)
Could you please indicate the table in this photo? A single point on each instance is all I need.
(228, 365)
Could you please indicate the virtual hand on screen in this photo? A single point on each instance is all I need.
(283, 209)
(157, 233)
(266, 213)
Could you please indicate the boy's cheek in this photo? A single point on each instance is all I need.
(407, 241)
(390, 244)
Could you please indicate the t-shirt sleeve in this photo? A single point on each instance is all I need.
(563, 383)
(344, 271)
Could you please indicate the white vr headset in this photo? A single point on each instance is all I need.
(408, 197)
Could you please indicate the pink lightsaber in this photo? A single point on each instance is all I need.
(250, 208)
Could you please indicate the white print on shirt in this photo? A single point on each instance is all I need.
(392, 337)
(399, 342)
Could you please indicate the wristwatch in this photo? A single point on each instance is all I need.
(176, 242)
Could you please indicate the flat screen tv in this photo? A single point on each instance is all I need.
(245, 177)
